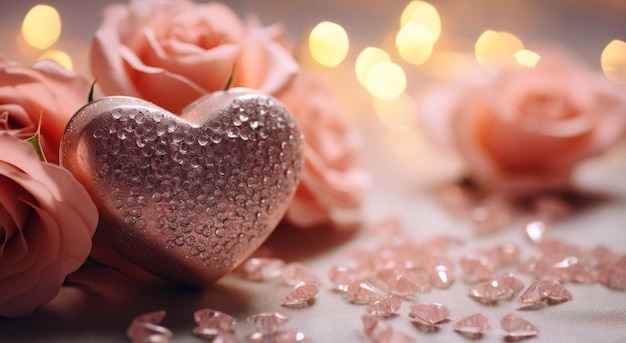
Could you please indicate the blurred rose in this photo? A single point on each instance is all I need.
(333, 178)
(45, 89)
(172, 52)
(47, 220)
(521, 130)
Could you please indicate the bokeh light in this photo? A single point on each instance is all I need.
(386, 80)
(397, 113)
(41, 26)
(414, 43)
(497, 47)
(527, 58)
(61, 57)
(422, 13)
(613, 61)
(328, 43)
(366, 59)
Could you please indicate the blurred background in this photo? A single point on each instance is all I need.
(383, 54)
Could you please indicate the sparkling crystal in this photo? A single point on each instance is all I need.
(263, 268)
(363, 292)
(268, 322)
(342, 276)
(378, 331)
(385, 306)
(441, 273)
(535, 230)
(225, 337)
(211, 324)
(491, 215)
(429, 314)
(474, 324)
(544, 291)
(294, 272)
(146, 328)
(489, 292)
(614, 275)
(397, 283)
(501, 255)
(289, 337)
(477, 268)
(603, 256)
(301, 295)
(517, 327)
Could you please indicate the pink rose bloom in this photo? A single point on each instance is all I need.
(47, 220)
(333, 177)
(171, 52)
(522, 131)
(45, 89)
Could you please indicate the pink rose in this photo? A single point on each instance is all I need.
(171, 52)
(45, 89)
(47, 220)
(520, 130)
(333, 176)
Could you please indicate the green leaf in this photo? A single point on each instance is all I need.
(99, 264)
(230, 78)
(90, 98)
(35, 141)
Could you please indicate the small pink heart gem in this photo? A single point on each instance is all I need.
(186, 197)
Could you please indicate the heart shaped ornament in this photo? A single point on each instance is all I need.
(186, 197)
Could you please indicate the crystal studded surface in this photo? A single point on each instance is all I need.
(186, 198)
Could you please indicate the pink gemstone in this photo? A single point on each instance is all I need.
(378, 331)
(501, 255)
(535, 230)
(146, 328)
(342, 276)
(294, 272)
(268, 322)
(385, 306)
(517, 327)
(225, 337)
(429, 314)
(545, 291)
(474, 324)
(263, 268)
(581, 274)
(397, 283)
(492, 215)
(301, 295)
(603, 256)
(420, 280)
(614, 275)
(441, 273)
(489, 292)
(289, 337)
(477, 268)
(363, 292)
(213, 318)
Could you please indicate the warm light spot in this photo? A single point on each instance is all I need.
(386, 80)
(422, 13)
(366, 59)
(328, 43)
(61, 57)
(42, 26)
(497, 47)
(613, 61)
(414, 43)
(397, 113)
(527, 58)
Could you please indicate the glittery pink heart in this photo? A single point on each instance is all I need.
(186, 197)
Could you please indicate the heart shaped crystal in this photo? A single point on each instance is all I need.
(186, 197)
